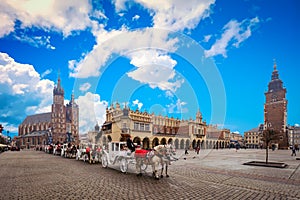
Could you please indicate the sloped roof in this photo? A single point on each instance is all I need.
(36, 133)
(213, 134)
(253, 130)
(38, 118)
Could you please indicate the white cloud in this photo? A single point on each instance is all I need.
(19, 83)
(177, 15)
(45, 73)
(120, 42)
(137, 103)
(98, 14)
(154, 68)
(6, 25)
(170, 16)
(84, 87)
(92, 111)
(36, 41)
(234, 33)
(178, 107)
(206, 38)
(135, 17)
(120, 5)
(63, 16)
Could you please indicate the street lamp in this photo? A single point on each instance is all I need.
(8, 137)
(69, 136)
(50, 135)
(69, 133)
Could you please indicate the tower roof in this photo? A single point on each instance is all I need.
(72, 101)
(276, 83)
(58, 90)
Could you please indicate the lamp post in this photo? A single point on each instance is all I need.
(8, 137)
(69, 136)
(69, 133)
(50, 135)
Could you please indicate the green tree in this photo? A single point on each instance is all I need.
(269, 135)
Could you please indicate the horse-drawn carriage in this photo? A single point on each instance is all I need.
(87, 154)
(68, 150)
(117, 153)
(57, 149)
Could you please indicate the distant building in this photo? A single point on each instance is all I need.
(217, 138)
(294, 136)
(93, 137)
(252, 138)
(58, 126)
(236, 137)
(275, 109)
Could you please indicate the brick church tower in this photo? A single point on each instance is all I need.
(58, 118)
(64, 118)
(275, 108)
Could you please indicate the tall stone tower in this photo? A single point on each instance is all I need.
(275, 108)
(72, 120)
(58, 118)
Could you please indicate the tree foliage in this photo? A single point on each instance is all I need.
(269, 135)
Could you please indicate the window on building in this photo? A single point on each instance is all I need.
(142, 127)
(136, 126)
(147, 127)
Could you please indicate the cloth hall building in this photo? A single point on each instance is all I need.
(149, 130)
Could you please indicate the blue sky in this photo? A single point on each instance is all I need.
(167, 57)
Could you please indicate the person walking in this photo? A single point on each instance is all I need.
(198, 150)
(293, 151)
(186, 151)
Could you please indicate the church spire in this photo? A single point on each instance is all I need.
(58, 79)
(274, 66)
(58, 90)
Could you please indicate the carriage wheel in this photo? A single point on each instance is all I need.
(123, 165)
(104, 161)
(143, 165)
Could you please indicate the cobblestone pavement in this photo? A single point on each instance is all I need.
(214, 174)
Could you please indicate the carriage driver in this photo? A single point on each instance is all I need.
(130, 144)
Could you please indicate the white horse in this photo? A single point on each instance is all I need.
(153, 158)
(167, 158)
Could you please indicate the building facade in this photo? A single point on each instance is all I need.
(275, 109)
(217, 138)
(150, 130)
(294, 136)
(58, 126)
(252, 138)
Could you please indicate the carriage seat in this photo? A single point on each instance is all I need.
(141, 153)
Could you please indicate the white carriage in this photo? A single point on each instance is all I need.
(115, 153)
